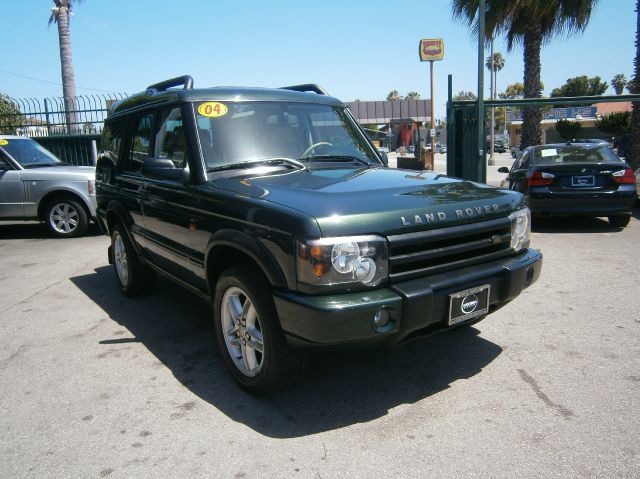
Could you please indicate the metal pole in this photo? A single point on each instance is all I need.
(481, 167)
(433, 121)
(493, 93)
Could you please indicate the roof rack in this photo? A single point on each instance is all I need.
(186, 81)
(307, 87)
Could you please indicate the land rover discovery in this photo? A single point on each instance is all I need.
(274, 206)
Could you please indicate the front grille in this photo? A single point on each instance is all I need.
(429, 252)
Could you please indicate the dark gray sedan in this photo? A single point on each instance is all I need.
(35, 185)
(581, 179)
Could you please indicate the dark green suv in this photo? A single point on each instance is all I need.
(274, 206)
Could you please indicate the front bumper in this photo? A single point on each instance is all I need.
(416, 307)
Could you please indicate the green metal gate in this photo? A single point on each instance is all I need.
(465, 157)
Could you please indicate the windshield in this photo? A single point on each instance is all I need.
(29, 153)
(232, 133)
(558, 154)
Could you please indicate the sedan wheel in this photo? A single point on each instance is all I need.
(66, 218)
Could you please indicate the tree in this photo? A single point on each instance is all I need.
(634, 137)
(412, 95)
(581, 86)
(9, 116)
(568, 129)
(60, 14)
(619, 82)
(515, 91)
(495, 64)
(616, 124)
(530, 23)
(465, 95)
(394, 96)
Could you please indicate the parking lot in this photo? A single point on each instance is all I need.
(96, 385)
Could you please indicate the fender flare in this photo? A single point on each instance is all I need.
(250, 247)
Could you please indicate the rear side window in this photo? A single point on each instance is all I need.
(112, 137)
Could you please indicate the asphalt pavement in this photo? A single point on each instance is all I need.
(97, 385)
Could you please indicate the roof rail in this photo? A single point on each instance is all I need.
(186, 81)
(307, 87)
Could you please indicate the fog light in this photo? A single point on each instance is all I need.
(381, 318)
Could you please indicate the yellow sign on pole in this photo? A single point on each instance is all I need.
(431, 49)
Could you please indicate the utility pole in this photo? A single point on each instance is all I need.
(481, 166)
(493, 97)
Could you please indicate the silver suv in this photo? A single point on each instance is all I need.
(35, 185)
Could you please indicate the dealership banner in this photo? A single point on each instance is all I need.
(570, 113)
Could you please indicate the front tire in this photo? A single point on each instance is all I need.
(252, 344)
(66, 218)
(619, 221)
(134, 278)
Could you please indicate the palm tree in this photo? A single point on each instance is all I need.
(412, 95)
(394, 95)
(61, 14)
(495, 64)
(618, 83)
(530, 23)
(634, 138)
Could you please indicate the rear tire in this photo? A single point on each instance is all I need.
(251, 341)
(619, 221)
(134, 278)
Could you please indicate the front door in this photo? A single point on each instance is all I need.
(11, 199)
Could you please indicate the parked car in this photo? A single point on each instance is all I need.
(593, 141)
(440, 148)
(574, 178)
(274, 206)
(35, 185)
(499, 148)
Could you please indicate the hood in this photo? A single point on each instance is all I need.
(347, 201)
(69, 173)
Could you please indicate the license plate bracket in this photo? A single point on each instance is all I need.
(468, 304)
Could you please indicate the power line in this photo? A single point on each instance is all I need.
(51, 82)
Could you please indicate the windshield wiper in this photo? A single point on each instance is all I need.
(244, 164)
(344, 158)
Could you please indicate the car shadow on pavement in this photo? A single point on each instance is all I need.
(334, 391)
(571, 224)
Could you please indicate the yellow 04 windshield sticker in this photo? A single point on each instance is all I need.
(213, 109)
(3, 142)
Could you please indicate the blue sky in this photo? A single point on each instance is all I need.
(355, 49)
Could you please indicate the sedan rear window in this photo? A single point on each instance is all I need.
(555, 154)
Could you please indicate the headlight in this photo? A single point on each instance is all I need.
(342, 260)
(520, 229)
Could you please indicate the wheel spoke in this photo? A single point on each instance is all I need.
(256, 341)
(249, 357)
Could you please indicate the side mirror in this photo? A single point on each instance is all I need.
(503, 169)
(164, 169)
